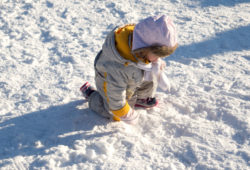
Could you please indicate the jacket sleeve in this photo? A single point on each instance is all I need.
(114, 87)
(112, 81)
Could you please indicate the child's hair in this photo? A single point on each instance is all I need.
(161, 51)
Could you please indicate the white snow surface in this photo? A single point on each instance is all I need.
(47, 50)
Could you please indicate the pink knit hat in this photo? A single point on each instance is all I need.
(157, 30)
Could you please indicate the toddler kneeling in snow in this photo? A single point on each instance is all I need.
(129, 68)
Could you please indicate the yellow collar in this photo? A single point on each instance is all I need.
(123, 40)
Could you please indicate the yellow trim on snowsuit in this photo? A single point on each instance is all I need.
(123, 111)
(122, 42)
(105, 83)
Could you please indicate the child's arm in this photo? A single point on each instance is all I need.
(115, 92)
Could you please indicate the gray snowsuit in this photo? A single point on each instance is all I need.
(119, 82)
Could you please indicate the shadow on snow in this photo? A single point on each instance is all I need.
(230, 3)
(232, 40)
(51, 127)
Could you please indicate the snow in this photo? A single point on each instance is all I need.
(47, 50)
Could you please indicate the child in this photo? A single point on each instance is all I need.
(129, 67)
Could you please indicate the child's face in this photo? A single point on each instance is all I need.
(152, 57)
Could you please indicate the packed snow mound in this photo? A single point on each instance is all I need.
(47, 51)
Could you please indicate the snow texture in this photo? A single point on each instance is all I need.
(47, 50)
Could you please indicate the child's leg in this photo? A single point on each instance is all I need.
(144, 96)
(146, 89)
(97, 104)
